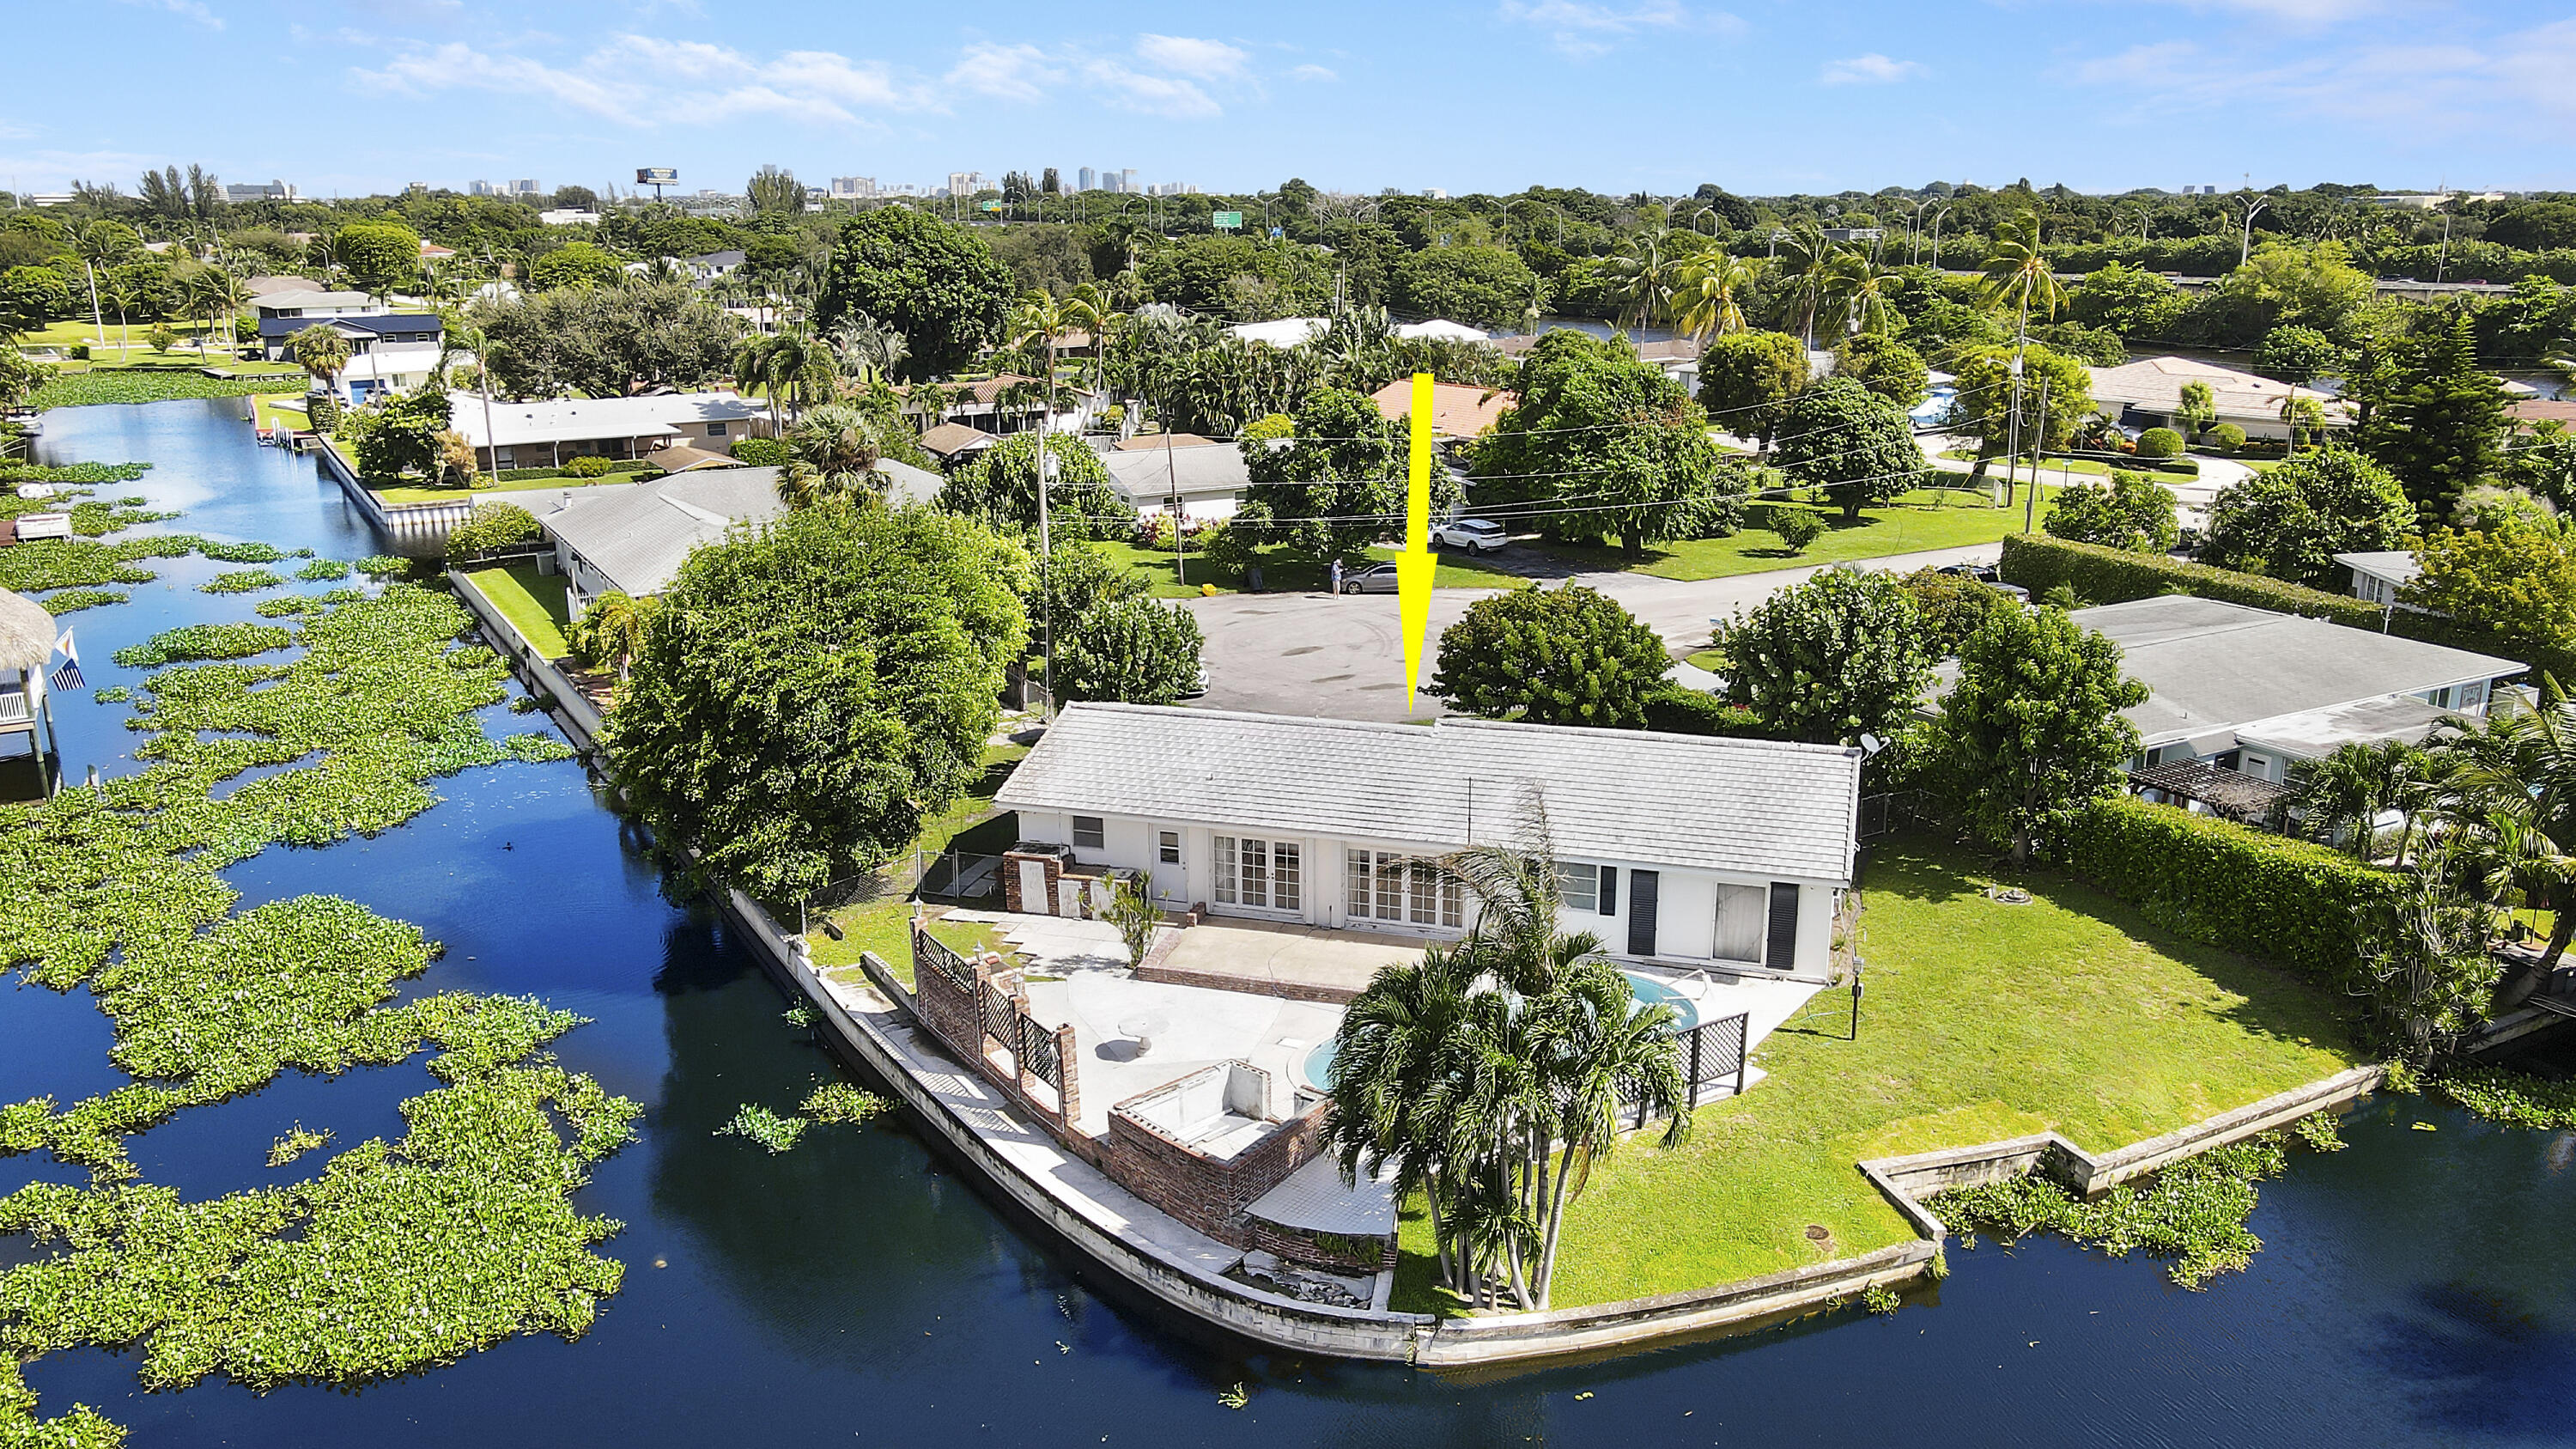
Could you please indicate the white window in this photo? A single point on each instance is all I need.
(1355, 872)
(1263, 873)
(1088, 833)
(1286, 884)
(1580, 885)
(1168, 847)
(1741, 914)
(1224, 891)
(1386, 886)
(715, 430)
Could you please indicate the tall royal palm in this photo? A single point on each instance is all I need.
(1804, 259)
(2017, 274)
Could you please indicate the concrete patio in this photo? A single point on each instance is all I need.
(1306, 962)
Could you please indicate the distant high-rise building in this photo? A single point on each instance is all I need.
(854, 188)
(525, 188)
(273, 191)
(1435, 193)
(966, 183)
(1173, 188)
(1127, 181)
(1086, 179)
(481, 188)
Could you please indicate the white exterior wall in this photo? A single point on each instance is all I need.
(1686, 900)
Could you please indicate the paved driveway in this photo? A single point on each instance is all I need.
(1342, 657)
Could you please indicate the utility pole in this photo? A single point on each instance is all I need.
(2030, 500)
(1046, 535)
(2254, 206)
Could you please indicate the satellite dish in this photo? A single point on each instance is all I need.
(1870, 744)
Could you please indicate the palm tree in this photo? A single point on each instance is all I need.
(232, 295)
(1805, 259)
(2018, 274)
(98, 245)
(1858, 289)
(833, 453)
(612, 628)
(321, 351)
(868, 350)
(1647, 267)
(2341, 797)
(1709, 297)
(2521, 768)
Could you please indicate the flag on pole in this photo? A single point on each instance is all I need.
(67, 675)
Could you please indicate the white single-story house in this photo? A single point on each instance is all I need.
(2253, 692)
(1283, 333)
(632, 539)
(1441, 329)
(1209, 480)
(2378, 577)
(549, 434)
(1685, 850)
(2145, 393)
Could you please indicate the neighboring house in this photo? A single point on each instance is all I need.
(277, 334)
(954, 443)
(1737, 857)
(712, 267)
(2240, 696)
(548, 434)
(432, 253)
(1459, 411)
(1679, 359)
(1209, 479)
(305, 300)
(2378, 577)
(565, 216)
(1441, 329)
(1283, 333)
(632, 540)
(2531, 412)
(2146, 392)
(979, 404)
(392, 367)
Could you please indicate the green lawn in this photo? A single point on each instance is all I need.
(502, 485)
(1283, 573)
(1982, 1021)
(1924, 519)
(881, 925)
(2051, 467)
(531, 601)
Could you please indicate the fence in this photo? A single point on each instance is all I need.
(1888, 813)
(1707, 1054)
(959, 877)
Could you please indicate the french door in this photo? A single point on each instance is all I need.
(1262, 874)
(1401, 890)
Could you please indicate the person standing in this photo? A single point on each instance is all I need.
(1337, 576)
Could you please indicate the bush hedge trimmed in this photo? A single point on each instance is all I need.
(2110, 576)
(572, 469)
(2226, 884)
(2159, 443)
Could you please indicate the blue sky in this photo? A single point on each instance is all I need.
(1762, 96)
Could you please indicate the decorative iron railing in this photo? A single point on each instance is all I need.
(1038, 1056)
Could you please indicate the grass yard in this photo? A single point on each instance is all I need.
(503, 485)
(2051, 466)
(1981, 1021)
(531, 601)
(881, 924)
(1927, 518)
(1283, 573)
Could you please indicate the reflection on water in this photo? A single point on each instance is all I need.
(862, 1290)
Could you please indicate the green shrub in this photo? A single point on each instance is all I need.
(80, 352)
(322, 410)
(1678, 709)
(493, 525)
(2226, 884)
(1797, 527)
(589, 465)
(2227, 437)
(2111, 576)
(628, 465)
(2160, 443)
(761, 452)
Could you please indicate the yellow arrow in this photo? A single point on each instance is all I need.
(1415, 567)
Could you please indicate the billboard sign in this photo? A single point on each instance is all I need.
(988, 206)
(657, 176)
(1229, 221)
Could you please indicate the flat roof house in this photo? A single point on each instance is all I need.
(2378, 577)
(548, 434)
(1678, 849)
(392, 367)
(2251, 692)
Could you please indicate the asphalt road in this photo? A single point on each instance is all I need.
(1342, 657)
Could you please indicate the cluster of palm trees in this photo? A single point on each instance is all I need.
(1693, 284)
(1492, 1076)
(2485, 816)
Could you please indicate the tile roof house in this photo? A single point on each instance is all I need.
(633, 539)
(1458, 410)
(2144, 394)
(953, 443)
(1736, 858)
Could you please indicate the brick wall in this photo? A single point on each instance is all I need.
(1361, 1254)
(1011, 881)
(1205, 1192)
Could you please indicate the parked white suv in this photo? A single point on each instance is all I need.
(1476, 535)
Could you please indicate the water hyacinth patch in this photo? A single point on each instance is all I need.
(383, 566)
(323, 570)
(240, 581)
(72, 601)
(2513, 1098)
(839, 1102)
(400, 1254)
(765, 1127)
(250, 553)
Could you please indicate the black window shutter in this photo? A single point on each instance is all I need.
(1609, 890)
(1642, 890)
(1780, 949)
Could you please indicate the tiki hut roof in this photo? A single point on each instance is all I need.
(26, 632)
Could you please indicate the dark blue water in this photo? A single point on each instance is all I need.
(2413, 1290)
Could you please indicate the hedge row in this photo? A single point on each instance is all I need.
(2226, 884)
(625, 465)
(2109, 576)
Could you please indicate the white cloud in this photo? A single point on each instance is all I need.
(1204, 59)
(1313, 73)
(1154, 95)
(621, 82)
(1006, 72)
(1581, 29)
(36, 171)
(2304, 12)
(2415, 91)
(1872, 69)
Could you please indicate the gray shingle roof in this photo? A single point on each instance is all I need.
(1690, 801)
(2212, 666)
(1148, 478)
(640, 536)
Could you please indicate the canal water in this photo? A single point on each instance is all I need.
(2415, 1289)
